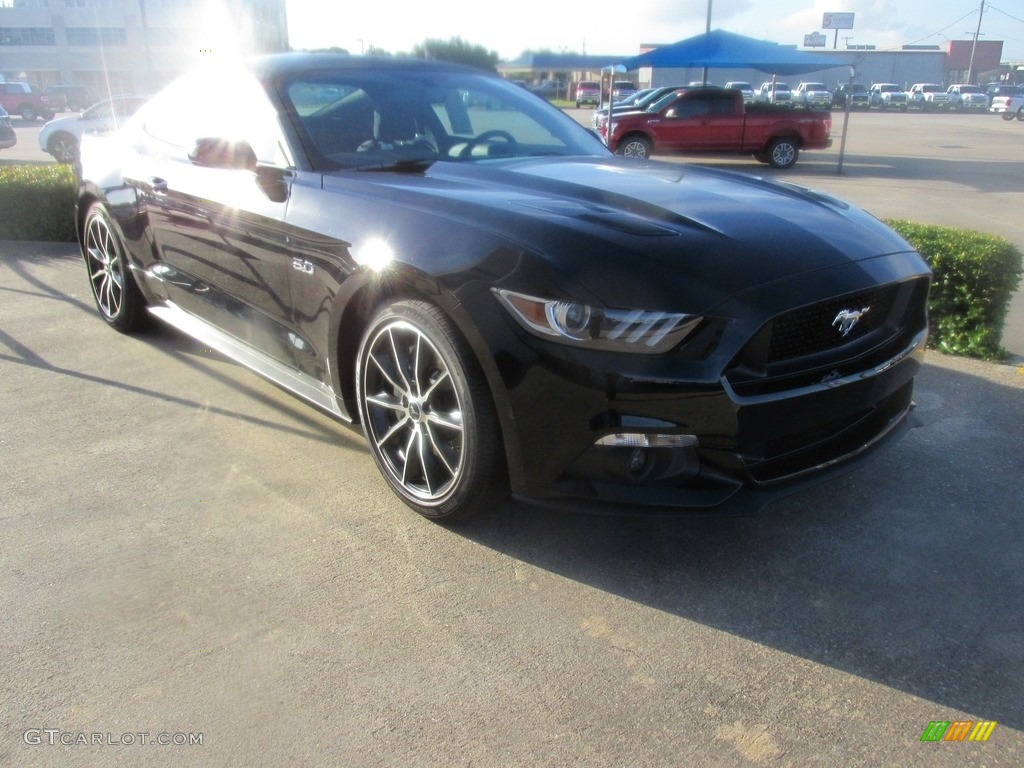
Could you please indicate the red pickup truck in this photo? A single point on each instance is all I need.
(711, 119)
(20, 99)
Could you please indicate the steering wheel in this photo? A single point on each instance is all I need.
(485, 137)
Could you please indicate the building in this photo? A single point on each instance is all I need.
(130, 46)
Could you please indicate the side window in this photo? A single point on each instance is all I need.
(225, 105)
(688, 106)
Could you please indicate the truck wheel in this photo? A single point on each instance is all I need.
(635, 146)
(761, 157)
(782, 153)
(28, 114)
(1007, 115)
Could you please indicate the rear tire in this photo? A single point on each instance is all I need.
(783, 153)
(64, 148)
(428, 415)
(28, 114)
(1020, 114)
(118, 298)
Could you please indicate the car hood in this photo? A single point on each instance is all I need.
(615, 223)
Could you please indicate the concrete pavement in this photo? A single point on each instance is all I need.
(191, 555)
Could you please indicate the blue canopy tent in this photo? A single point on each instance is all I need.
(719, 48)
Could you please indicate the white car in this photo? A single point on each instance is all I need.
(812, 96)
(1008, 107)
(888, 96)
(61, 137)
(927, 97)
(745, 88)
(774, 93)
(964, 97)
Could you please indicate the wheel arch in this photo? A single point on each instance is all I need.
(635, 133)
(354, 313)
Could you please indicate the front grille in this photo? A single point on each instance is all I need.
(814, 329)
(806, 346)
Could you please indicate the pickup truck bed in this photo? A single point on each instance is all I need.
(709, 119)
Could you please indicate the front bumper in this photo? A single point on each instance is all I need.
(693, 430)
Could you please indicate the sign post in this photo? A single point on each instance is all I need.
(837, 21)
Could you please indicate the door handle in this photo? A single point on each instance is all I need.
(159, 185)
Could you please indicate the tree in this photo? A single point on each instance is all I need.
(457, 50)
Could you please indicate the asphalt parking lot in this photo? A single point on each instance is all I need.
(191, 555)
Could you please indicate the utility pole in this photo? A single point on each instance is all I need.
(707, 28)
(974, 46)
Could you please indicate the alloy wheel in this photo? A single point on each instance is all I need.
(105, 265)
(414, 412)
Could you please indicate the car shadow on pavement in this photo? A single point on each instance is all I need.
(20, 258)
(907, 572)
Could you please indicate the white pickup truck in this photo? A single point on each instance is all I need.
(1008, 107)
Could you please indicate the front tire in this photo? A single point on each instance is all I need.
(427, 413)
(1007, 115)
(639, 147)
(118, 298)
(783, 153)
(28, 114)
(1020, 114)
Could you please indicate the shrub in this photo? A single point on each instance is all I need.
(975, 277)
(37, 202)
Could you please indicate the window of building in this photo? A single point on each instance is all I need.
(26, 36)
(97, 36)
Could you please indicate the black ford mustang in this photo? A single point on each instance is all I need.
(448, 261)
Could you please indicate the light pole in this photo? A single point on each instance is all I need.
(974, 45)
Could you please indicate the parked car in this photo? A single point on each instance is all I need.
(712, 119)
(8, 138)
(587, 92)
(1008, 107)
(61, 137)
(888, 96)
(622, 90)
(928, 97)
(639, 101)
(774, 93)
(499, 303)
(20, 99)
(743, 87)
(856, 92)
(76, 97)
(967, 98)
(812, 96)
(992, 90)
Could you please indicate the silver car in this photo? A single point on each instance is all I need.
(61, 137)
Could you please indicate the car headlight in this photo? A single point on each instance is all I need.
(584, 325)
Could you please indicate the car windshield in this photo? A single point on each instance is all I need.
(888, 88)
(357, 118)
(970, 89)
(815, 87)
(740, 86)
(932, 89)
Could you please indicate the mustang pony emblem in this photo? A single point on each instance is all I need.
(848, 318)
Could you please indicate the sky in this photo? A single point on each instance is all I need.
(573, 27)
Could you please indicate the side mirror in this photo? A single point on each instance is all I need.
(221, 153)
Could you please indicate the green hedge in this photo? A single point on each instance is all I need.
(37, 202)
(976, 275)
(975, 278)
